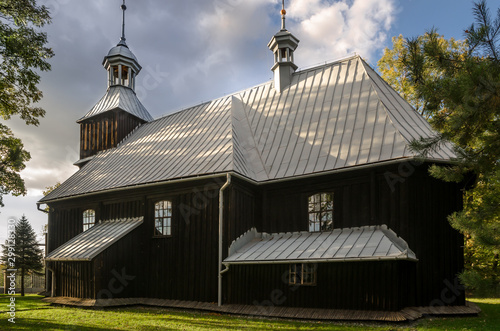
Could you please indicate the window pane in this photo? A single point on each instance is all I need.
(163, 218)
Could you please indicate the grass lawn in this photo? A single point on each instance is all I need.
(32, 314)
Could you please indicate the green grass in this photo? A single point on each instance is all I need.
(33, 314)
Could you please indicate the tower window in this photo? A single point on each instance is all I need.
(88, 219)
(283, 54)
(116, 77)
(163, 219)
(125, 77)
(320, 212)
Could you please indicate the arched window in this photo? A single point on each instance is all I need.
(163, 218)
(88, 219)
(320, 212)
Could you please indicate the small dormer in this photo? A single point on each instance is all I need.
(283, 45)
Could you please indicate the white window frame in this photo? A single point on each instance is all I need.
(88, 219)
(163, 218)
(320, 211)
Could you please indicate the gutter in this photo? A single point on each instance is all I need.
(40, 209)
(249, 180)
(221, 220)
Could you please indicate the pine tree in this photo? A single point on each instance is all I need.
(26, 252)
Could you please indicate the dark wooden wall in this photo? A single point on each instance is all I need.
(404, 197)
(185, 265)
(182, 266)
(74, 279)
(105, 131)
(372, 285)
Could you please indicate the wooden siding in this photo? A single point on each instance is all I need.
(105, 131)
(404, 197)
(374, 285)
(74, 279)
(184, 266)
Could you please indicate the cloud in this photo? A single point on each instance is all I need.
(197, 50)
(330, 30)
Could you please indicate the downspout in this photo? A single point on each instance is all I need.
(221, 220)
(53, 287)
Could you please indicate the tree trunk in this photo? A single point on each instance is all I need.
(22, 282)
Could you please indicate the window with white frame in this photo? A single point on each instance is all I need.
(302, 274)
(163, 218)
(320, 209)
(88, 219)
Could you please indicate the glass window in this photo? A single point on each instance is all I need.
(163, 218)
(302, 274)
(88, 219)
(320, 209)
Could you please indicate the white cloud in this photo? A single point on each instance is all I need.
(330, 30)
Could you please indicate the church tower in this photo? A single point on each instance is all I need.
(119, 111)
(283, 45)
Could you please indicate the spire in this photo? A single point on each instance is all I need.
(122, 39)
(121, 63)
(283, 13)
(283, 45)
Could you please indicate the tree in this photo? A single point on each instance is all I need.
(396, 74)
(22, 251)
(458, 89)
(22, 51)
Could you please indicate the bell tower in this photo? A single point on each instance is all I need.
(283, 45)
(119, 111)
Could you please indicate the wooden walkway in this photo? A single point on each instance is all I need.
(407, 314)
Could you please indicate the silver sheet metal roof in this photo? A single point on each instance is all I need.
(88, 244)
(333, 116)
(349, 244)
(120, 97)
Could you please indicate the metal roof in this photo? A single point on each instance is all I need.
(122, 50)
(331, 117)
(88, 244)
(349, 244)
(120, 97)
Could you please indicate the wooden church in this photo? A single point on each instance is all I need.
(299, 192)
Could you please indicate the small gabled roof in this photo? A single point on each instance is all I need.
(88, 244)
(331, 117)
(119, 97)
(349, 244)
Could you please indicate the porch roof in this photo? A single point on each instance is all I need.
(348, 244)
(88, 244)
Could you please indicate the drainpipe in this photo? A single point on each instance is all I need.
(221, 219)
(53, 287)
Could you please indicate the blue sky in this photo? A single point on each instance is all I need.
(192, 51)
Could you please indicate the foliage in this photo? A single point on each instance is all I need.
(457, 86)
(21, 251)
(396, 74)
(12, 159)
(22, 53)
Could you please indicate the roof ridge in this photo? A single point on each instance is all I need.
(406, 141)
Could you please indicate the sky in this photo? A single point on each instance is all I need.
(193, 51)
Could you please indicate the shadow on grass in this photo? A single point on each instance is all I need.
(40, 324)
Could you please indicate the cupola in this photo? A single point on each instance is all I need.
(119, 111)
(283, 45)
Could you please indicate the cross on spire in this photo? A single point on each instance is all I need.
(122, 39)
